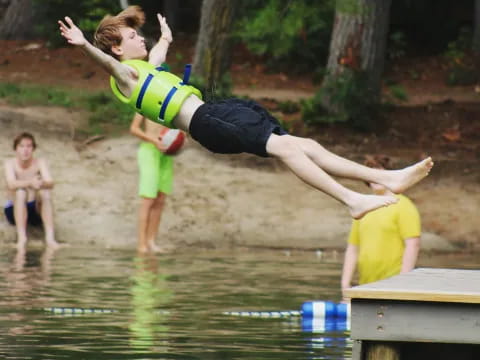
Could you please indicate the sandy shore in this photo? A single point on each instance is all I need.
(218, 200)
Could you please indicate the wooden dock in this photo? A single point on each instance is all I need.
(424, 314)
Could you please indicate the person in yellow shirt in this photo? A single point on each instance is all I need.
(386, 241)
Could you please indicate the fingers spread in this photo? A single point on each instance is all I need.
(69, 21)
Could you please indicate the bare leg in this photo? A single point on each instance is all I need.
(396, 180)
(46, 211)
(20, 258)
(154, 223)
(302, 166)
(20, 214)
(143, 223)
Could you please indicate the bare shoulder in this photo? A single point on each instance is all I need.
(40, 162)
(8, 163)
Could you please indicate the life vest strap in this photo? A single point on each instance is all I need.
(143, 90)
(186, 74)
(163, 109)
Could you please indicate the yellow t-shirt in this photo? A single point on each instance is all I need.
(380, 236)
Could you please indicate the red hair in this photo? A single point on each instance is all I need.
(108, 31)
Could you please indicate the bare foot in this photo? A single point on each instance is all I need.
(142, 249)
(21, 243)
(20, 258)
(52, 244)
(366, 203)
(402, 179)
(159, 249)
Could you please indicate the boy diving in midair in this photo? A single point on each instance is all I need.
(230, 126)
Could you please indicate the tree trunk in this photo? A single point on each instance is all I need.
(17, 22)
(476, 30)
(124, 4)
(212, 52)
(359, 41)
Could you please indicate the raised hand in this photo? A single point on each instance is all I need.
(166, 32)
(71, 32)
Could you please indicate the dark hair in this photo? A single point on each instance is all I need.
(108, 31)
(377, 162)
(20, 137)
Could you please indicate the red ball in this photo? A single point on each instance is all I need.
(172, 140)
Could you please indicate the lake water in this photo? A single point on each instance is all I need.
(170, 307)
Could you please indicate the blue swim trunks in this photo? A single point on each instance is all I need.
(33, 217)
(234, 126)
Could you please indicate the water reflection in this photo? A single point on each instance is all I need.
(169, 307)
(28, 274)
(149, 294)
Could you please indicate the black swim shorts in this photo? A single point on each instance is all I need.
(234, 126)
(33, 217)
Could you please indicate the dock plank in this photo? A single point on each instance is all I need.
(424, 284)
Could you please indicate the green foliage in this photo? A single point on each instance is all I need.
(344, 98)
(104, 108)
(34, 95)
(351, 7)
(414, 74)
(462, 70)
(397, 45)
(398, 92)
(217, 91)
(288, 107)
(293, 34)
(85, 13)
(461, 75)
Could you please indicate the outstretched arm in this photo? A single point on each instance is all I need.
(158, 54)
(119, 71)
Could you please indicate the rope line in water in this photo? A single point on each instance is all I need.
(79, 311)
(87, 311)
(310, 309)
(264, 314)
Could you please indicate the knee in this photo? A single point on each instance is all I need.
(20, 196)
(160, 200)
(45, 195)
(310, 146)
(311, 143)
(147, 203)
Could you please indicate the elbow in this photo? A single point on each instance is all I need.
(133, 130)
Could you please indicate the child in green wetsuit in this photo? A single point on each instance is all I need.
(234, 125)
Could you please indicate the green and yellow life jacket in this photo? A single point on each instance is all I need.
(159, 95)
